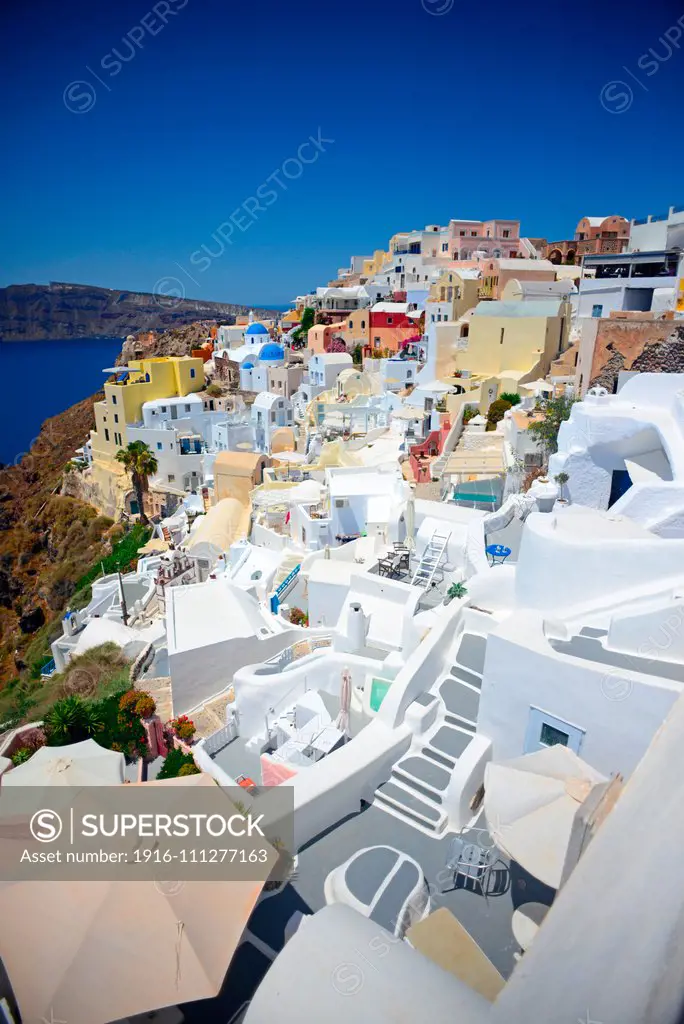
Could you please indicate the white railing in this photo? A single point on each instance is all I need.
(220, 739)
(302, 649)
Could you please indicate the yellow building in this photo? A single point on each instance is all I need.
(374, 264)
(139, 382)
(458, 289)
(513, 341)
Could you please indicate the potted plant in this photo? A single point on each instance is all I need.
(298, 617)
(183, 728)
(456, 590)
(561, 479)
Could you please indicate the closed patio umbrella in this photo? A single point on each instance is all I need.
(410, 516)
(530, 804)
(76, 764)
(342, 721)
(97, 951)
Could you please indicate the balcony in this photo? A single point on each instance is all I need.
(599, 246)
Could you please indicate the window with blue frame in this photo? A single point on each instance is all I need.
(597, 310)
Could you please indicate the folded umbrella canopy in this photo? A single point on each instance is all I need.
(76, 764)
(89, 952)
(530, 804)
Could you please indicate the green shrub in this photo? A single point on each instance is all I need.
(510, 396)
(71, 720)
(556, 411)
(173, 762)
(189, 769)
(496, 412)
(121, 730)
(456, 590)
(123, 553)
(21, 755)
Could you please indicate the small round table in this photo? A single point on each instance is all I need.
(526, 921)
(498, 553)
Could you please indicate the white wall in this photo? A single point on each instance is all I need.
(618, 711)
(259, 686)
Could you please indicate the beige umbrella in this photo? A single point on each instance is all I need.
(76, 764)
(410, 515)
(530, 804)
(92, 952)
(342, 721)
(538, 385)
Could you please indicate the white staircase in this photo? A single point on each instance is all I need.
(432, 559)
(289, 561)
(415, 791)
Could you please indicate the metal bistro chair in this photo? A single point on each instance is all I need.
(384, 566)
(473, 863)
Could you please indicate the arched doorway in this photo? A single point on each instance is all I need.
(131, 506)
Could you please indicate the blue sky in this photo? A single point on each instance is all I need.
(484, 110)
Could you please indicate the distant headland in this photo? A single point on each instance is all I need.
(60, 311)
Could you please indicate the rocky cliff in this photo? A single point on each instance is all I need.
(47, 539)
(36, 312)
(178, 341)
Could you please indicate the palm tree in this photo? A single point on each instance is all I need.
(71, 720)
(140, 463)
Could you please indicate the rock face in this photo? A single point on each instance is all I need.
(178, 341)
(32, 620)
(37, 312)
(647, 346)
(44, 545)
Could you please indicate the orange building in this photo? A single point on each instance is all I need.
(593, 236)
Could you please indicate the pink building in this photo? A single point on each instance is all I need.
(497, 238)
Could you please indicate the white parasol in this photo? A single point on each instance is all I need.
(76, 764)
(530, 804)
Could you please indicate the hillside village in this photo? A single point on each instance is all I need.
(415, 550)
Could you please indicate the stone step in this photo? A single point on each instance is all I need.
(424, 772)
(460, 699)
(411, 805)
(407, 817)
(471, 652)
(439, 758)
(466, 677)
(414, 785)
(450, 740)
(461, 723)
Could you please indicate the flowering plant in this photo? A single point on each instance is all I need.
(137, 704)
(183, 727)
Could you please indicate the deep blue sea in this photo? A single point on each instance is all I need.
(41, 378)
